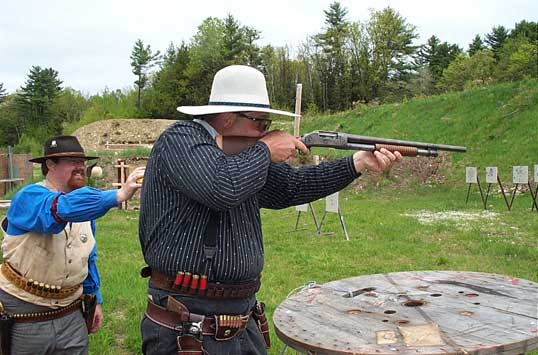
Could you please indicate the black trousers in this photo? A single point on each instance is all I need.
(158, 340)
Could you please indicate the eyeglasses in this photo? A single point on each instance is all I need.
(262, 123)
(73, 161)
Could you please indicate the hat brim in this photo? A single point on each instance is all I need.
(211, 109)
(61, 155)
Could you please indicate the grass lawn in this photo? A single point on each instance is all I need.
(386, 235)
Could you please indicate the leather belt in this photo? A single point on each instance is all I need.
(222, 327)
(35, 287)
(45, 316)
(213, 290)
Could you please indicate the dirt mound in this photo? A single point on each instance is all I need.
(114, 133)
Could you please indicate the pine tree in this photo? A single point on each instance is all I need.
(36, 98)
(436, 56)
(495, 39)
(233, 41)
(476, 45)
(2, 93)
(527, 30)
(142, 59)
(331, 63)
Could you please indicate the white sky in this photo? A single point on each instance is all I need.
(89, 42)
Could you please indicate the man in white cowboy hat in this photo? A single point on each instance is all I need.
(200, 228)
(49, 255)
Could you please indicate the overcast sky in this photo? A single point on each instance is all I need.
(89, 42)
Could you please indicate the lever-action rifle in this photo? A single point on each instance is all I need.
(234, 145)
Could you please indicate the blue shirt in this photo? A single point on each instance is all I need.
(30, 210)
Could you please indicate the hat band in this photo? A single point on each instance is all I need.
(219, 103)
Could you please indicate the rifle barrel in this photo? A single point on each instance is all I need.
(353, 141)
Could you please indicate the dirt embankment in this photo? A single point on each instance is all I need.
(113, 134)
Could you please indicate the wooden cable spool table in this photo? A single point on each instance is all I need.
(419, 312)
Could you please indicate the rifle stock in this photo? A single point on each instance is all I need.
(235, 145)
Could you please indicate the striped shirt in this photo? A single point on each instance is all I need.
(188, 176)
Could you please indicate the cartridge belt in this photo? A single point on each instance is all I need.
(212, 290)
(222, 327)
(36, 287)
(48, 315)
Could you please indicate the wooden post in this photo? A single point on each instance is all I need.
(297, 122)
(123, 172)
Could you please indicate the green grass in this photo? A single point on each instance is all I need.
(383, 239)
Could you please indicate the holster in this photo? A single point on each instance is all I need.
(89, 303)
(189, 339)
(258, 313)
(6, 323)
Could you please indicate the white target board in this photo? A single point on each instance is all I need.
(520, 174)
(491, 175)
(331, 203)
(471, 175)
(302, 208)
(536, 173)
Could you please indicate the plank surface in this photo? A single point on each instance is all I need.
(422, 312)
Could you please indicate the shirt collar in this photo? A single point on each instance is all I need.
(212, 131)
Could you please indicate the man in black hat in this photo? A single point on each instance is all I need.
(49, 254)
(200, 226)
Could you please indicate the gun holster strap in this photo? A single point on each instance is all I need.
(222, 327)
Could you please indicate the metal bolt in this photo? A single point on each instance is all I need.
(194, 330)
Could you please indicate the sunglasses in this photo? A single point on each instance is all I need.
(262, 123)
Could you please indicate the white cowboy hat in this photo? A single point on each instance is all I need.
(236, 88)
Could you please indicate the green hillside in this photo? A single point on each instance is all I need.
(498, 125)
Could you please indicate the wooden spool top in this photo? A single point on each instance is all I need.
(420, 312)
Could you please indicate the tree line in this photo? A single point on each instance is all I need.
(345, 65)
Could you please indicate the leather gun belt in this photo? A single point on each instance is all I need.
(49, 315)
(213, 290)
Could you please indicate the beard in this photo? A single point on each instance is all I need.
(77, 179)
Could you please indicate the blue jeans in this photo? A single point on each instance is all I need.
(157, 340)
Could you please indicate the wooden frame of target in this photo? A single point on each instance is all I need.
(520, 176)
(534, 194)
(332, 205)
(492, 177)
(471, 177)
(304, 208)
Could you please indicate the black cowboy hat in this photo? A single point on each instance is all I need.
(62, 147)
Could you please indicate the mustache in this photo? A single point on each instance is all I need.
(79, 171)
